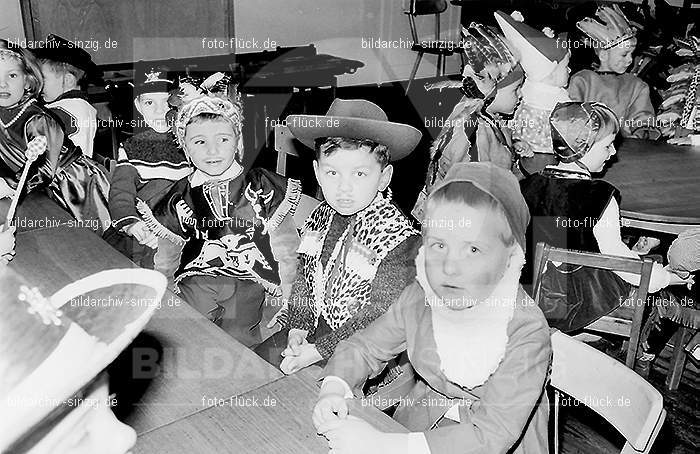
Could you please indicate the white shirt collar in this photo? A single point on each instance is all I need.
(198, 178)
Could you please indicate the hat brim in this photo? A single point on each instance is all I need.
(401, 139)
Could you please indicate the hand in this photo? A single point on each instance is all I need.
(688, 281)
(7, 244)
(353, 434)
(681, 141)
(308, 355)
(279, 317)
(330, 407)
(523, 150)
(143, 234)
(295, 339)
(35, 148)
(6, 192)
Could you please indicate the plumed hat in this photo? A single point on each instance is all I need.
(615, 29)
(214, 95)
(575, 126)
(52, 347)
(539, 52)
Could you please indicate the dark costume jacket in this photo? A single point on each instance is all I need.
(563, 212)
(226, 225)
(75, 182)
(150, 163)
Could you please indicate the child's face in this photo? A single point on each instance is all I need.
(506, 98)
(599, 153)
(618, 58)
(153, 107)
(211, 146)
(13, 81)
(54, 83)
(350, 179)
(465, 257)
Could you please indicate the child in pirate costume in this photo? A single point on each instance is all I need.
(74, 181)
(477, 341)
(473, 132)
(626, 94)
(545, 60)
(150, 163)
(357, 248)
(64, 66)
(54, 393)
(573, 211)
(235, 224)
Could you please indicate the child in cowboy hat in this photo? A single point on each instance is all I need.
(54, 395)
(357, 248)
(545, 60)
(64, 67)
(150, 163)
(478, 342)
(473, 131)
(235, 223)
(627, 95)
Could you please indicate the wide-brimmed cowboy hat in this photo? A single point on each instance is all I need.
(61, 50)
(51, 347)
(356, 119)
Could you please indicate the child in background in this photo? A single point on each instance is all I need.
(150, 163)
(473, 131)
(74, 181)
(235, 224)
(626, 94)
(64, 66)
(573, 211)
(7, 244)
(478, 342)
(545, 60)
(357, 247)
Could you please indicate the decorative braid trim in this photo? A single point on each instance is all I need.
(156, 227)
(288, 206)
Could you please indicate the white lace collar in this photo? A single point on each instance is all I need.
(471, 343)
(198, 178)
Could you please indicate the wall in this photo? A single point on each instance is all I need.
(10, 20)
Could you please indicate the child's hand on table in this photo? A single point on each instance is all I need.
(331, 405)
(295, 339)
(143, 234)
(688, 281)
(6, 192)
(352, 434)
(306, 355)
(7, 244)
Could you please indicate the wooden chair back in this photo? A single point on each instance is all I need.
(545, 254)
(623, 398)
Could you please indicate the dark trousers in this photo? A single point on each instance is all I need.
(271, 349)
(233, 304)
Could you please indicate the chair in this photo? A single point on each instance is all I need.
(284, 145)
(678, 358)
(439, 47)
(621, 327)
(624, 399)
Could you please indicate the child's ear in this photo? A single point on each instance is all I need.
(385, 178)
(316, 171)
(137, 104)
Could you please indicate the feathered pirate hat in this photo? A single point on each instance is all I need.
(50, 348)
(615, 30)
(214, 95)
(539, 52)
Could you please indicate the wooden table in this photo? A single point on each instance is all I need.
(194, 357)
(273, 419)
(658, 182)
